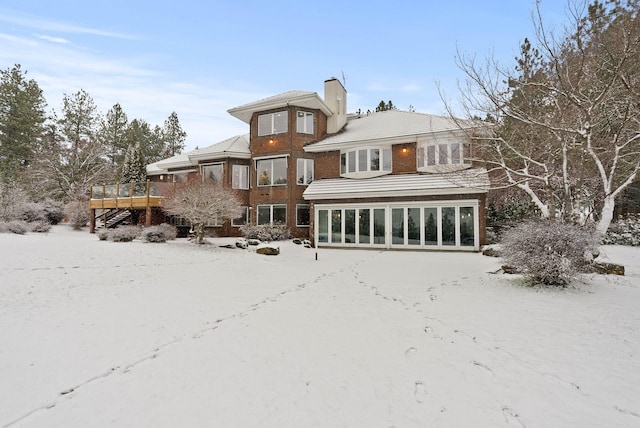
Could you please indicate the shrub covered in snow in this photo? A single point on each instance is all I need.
(53, 211)
(31, 212)
(625, 231)
(548, 252)
(124, 234)
(104, 234)
(19, 227)
(266, 232)
(78, 214)
(159, 233)
(40, 226)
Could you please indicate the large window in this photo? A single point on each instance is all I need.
(242, 220)
(304, 122)
(440, 154)
(272, 172)
(213, 173)
(180, 177)
(272, 123)
(240, 177)
(305, 171)
(270, 214)
(302, 215)
(368, 160)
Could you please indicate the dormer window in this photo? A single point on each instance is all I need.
(365, 162)
(304, 122)
(443, 155)
(272, 123)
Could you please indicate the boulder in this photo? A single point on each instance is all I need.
(268, 249)
(490, 251)
(509, 269)
(297, 241)
(608, 268)
(242, 243)
(253, 242)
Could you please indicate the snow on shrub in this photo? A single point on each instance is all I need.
(266, 232)
(31, 212)
(53, 211)
(78, 214)
(159, 233)
(625, 231)
(104, 234)
(19, 227)
(548, 252)
(124, 234)
(40, 226)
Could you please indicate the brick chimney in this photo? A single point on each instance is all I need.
(336, 98)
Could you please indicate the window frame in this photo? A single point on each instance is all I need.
(233, 177)
(271, 181)
(269, 120)
(246, 218)
(305, 172)
(205, 178)
(359, 162)
(304, 120)
(271, 210)
(443, 155)
(308, 208)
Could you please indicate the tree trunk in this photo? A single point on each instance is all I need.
(606, 215)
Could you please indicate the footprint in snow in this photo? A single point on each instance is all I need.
(420, 392)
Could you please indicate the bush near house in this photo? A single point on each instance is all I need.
(548, 252)
(266, 232)
(160, 233)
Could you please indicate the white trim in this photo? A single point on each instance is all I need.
(257, 158)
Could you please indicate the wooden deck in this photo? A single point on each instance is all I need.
(130, 202)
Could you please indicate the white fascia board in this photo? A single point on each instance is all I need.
(394, 193)
(220, 155)
(348, 145)
(305, 101)
(285, 155)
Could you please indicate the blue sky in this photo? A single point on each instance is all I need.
(200, 58)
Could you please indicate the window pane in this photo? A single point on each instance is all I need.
(431, 226)
(466, 227)
(304, 122)
(455, 153)
(280, 214)
(264, 124)
(343, 163)
(378, 226)
(240, 179)
(212, 173)
(264, 214)
(375, 160)
(302, 215)
(448, 226)
(279, 171)
(420, 156)
(242, 219)
(431, 155)
(305, 171)
(264, 172)
(362, 160)
(323, 226)
(336, 226)
(352, 161)
(443, 154)
(386, 159)
(365, 226)
(397, 226)
(280, 122)
(349, 226)
(413, 226)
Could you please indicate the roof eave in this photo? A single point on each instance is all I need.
(244, 113)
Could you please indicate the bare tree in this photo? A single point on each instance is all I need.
(202, 203)
(565, 121)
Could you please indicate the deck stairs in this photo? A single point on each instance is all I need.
(114, 217)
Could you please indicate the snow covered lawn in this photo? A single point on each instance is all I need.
(96, 334)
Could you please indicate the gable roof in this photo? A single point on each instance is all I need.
(389, 127)
(469, 181)
(304, 99)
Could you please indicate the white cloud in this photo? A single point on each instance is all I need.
(53, 39)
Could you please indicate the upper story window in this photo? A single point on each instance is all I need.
(304, 171)
(240, 177)
(212, 173)
(180, 177)
(272, 172)
(272, 123)
(365, 162)
(437, 156)
(304, 122)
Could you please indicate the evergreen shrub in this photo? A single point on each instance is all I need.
(159, 233)
(40, 226)
(124, 234)
(625, 231)
(266, 232)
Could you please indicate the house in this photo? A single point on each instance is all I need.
(391, 179)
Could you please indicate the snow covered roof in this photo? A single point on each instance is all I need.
(291, 98)
(388, 127)
(468, 181)
(236, 147)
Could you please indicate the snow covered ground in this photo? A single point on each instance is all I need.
(103, 334)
